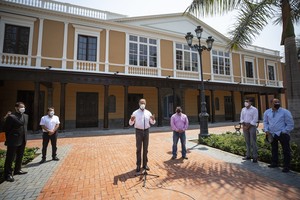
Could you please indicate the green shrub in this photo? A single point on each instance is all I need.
(29, 155)
(236, 144)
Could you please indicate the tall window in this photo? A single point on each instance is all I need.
(221, 62)
(87, 48)
(142, 51)
(249, 69)
(186, 58)
(271, 72)
(16, 39)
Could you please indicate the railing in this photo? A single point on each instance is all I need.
(85, 66)
(263, 50)
(187, 75)
(222, 78)
(148, 71)
(14, 60)
(68, 8)
(250, 81)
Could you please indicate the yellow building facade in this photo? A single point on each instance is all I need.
(93, 66)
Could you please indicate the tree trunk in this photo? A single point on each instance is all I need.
(292, 80)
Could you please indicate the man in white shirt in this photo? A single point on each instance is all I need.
(50, 124)
(142, 118)
(249, 118)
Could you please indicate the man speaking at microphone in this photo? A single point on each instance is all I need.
(142, 120)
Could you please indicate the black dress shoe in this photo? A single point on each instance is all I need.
(55, 158)
(246, 158)
(138, 169)
(43, 160)
(146, 168)
(20, 172)
(273, 165)
(9, 178)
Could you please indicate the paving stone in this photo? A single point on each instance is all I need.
(100, 164)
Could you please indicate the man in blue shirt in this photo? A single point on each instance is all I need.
(279, 123)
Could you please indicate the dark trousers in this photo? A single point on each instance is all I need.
(176, 137)
(284, 140)
(53, 139)
(13, 152)
(142, 140)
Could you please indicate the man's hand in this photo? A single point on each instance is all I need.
(51, 132)
(132, 118)
(152, 117)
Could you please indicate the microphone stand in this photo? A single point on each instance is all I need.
(144, 174)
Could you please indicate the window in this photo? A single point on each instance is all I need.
(16, 39)
(142, 51)
(221, 62)
(186, 58)
(271, 72)
(87, 48)
(249, 69)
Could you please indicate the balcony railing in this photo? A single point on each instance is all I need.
(19, 61)
(68, 8)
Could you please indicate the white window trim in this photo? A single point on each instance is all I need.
(249, 59)
(271, 63)
(88, 31)
(174, 60)
(148, 44)
(215, 77)
(18, 21)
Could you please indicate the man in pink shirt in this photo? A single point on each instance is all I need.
(179, 123)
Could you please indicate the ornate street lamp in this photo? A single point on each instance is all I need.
(189, 39)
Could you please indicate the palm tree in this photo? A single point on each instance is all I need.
(253, 16)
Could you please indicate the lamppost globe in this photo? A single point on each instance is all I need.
(189, 39)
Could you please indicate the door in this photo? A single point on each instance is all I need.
(228, 108)
(27, 97)
(133, 103)
(86, 109)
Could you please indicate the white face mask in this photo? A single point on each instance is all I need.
(21, 110)
(246, 104)
(51, 113)
(142, 106)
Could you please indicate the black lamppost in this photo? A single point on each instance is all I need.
(203, 115)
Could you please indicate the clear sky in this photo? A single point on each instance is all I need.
(269, 37)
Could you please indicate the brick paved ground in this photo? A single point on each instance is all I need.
(103, 167)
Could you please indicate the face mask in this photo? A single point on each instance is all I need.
(142, 106)
(246, 104)
(51, 113)
(276, 106)
(21, 110)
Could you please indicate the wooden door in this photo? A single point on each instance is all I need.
(228, 108)
(86, 109)
(133, 103)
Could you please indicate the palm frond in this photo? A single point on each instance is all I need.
(295, 10)
(252, 18)
(212, 7)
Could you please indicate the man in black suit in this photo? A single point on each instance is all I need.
(15, 128)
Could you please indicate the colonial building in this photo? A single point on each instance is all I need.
(93, 66)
